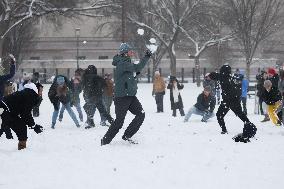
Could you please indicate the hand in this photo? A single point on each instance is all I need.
(37, 128)
(148, 53)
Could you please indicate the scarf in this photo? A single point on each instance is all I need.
(175, 93)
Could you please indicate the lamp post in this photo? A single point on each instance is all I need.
(77, 34)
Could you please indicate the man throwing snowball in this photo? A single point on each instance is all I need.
(125, 94)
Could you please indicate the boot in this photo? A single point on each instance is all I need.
(266, 118)
(90, 123)
(22, 144)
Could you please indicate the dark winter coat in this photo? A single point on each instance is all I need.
(205, 103)
(271, 97)
(179, 104)
(53, 95)
(259, 86)
(125, 82)
(21, 104)
(5, 78)
(231, 86)
(92, 84)
(274, 80)
(77, 89)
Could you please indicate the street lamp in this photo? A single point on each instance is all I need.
(77, 35)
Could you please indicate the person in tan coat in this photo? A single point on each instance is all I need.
(159, 87)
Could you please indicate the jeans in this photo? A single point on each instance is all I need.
(159, 97)
(78, 108)
(107, 101)
(205, 115)
(244, 103)
(218, 92)
(70, 112)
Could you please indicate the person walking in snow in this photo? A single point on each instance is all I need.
(125, 94)
(231, 95)
(159, 87)
(176, 101)
(77, 89)
(61, 92)
(93, 87)
(3, 80)
(35, 79)
(204, 106)
(272, 98)
(260, 89)
(107, 96)
(15, 111)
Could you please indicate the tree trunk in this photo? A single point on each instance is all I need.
(173, 65)
(197, 67)
(248, 63)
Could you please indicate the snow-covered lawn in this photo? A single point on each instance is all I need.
(170, 154)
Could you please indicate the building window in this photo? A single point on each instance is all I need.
(103, 57)
(81, 57)
(35, 58)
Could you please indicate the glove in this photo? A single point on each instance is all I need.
(148, 53)
(37, 128)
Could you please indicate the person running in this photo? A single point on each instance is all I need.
(61, 92)
(204, 106)
(231, 95)
(125, 94)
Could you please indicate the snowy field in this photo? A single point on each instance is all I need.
(170, 154)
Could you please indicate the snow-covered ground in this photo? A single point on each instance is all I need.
(170, 154)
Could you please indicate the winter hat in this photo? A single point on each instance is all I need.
(225, 70)
(157, 72)
(267, 83)
(91, 70)
(60, 80)
(31, 86)
(207, 89)
(271, 71)
(124, 48)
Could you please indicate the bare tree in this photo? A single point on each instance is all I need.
(252, 21)
(14, 13)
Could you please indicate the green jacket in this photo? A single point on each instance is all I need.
(125, 82)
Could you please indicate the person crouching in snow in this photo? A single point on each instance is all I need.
(231, 99)
(175, 97)
(205, 106)
(61, 92)
(15, 110)
(272, 98)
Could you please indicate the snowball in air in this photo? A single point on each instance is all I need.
(140, 31)
(152, 48)
(152, 40)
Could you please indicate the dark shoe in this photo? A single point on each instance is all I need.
(52, 126)
(90, 124)
(241, 138)
(203, 120)
(103, 142)
(224, 132)
(266, 118)
(22, 145)
(129, 140)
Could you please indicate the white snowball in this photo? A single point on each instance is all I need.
(140, 31)
(152, 48)
(153, 40)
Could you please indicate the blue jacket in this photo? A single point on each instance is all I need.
(4, 78)
(245, 86)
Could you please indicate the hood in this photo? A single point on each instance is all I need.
(225, 70)
(91, 70)
(31, 86)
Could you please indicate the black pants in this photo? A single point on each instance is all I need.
(160, 102)
(244, 103)
(122, 105)
(36, 109)
(16, 124)
(260, 101)
(91, 105)
(223, 109)
(181, 111)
